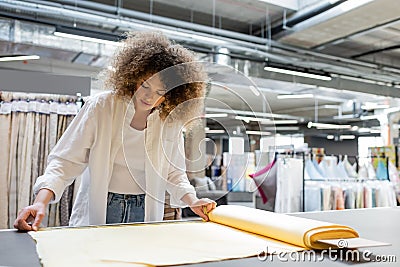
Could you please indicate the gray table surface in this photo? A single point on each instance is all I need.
(380, 224)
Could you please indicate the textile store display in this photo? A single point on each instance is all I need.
(265, 179)
(289, 185)
(30, 126)
(340, 189)
(233, 232)
(328, 185)
(280, 184)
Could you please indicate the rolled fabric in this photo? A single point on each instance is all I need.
(290, 229)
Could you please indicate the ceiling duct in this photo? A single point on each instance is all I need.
(61, 15)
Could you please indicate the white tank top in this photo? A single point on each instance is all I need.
(128, 175)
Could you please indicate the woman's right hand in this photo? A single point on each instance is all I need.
(30, 217)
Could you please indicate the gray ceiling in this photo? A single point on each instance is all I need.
(357, 42)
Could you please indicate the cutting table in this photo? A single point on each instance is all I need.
(381, 224)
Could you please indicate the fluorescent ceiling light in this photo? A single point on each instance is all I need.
(258, 133)
(280, 122)
(352, 4)
(215, 131)
(375, 131)
(284, 128)
(18, 58)
(266, 121)
(286, 4)
(330, 137)
(295, 96)
(252, 113)
(248, 119)
(364, 130)
(298, 73)
(194, 36)
(371, 105)
(207, 39)
(216, 115)
(328, 125)
(85, 38)
(347, 137)
(369, 117)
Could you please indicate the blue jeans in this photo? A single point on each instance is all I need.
(124, 208)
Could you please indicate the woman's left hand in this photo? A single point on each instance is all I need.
(202, 207)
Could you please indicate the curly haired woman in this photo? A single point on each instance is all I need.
(127, 143)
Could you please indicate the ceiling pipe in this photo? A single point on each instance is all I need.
(46, 8)
(58, 12)
(158, 19)
(144, 17)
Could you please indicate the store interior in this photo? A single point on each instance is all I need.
(302, 89)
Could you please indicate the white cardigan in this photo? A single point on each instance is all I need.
(89, 146)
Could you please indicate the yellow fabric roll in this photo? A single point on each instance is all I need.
(294, 230)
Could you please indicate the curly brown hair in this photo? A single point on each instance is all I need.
(148, 53)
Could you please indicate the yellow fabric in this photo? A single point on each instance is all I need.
(149, 244)
(295, 230)
(251, 231)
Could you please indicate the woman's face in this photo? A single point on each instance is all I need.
(150, 93)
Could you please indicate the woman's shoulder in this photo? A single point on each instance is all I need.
(104, 99)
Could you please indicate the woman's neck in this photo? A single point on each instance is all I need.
(139, 120)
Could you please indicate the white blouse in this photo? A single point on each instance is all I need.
(89, 147)
(128, 176)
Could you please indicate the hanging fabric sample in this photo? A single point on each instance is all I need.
(289, 185)
(265, 180)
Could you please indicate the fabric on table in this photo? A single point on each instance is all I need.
(229, 235)
(134, 245)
